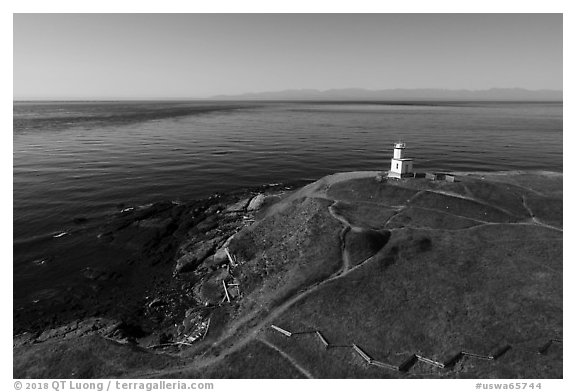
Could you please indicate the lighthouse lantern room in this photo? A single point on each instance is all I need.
(400, 167)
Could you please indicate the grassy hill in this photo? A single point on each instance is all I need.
(402, 278)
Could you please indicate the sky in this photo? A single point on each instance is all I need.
(144, 56)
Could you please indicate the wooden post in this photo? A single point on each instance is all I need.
(230, 257)
(282, 331)
(362, 353)
(384, 365)
(226, 291)
(207, 327)
(430, 361)
(479, 356)
(324, 341)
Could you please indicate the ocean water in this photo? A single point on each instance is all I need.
(86, 159)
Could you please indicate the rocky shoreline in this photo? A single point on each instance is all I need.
(171, 284)
(398, 268)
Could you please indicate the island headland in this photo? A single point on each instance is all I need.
(355, 275)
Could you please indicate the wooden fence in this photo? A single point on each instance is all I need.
(406, 365)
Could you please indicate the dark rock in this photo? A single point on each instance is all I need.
(191, 260)
(216, 236)
(155, 223)
(164, 338)
(219, 257)
(24, 338)
(233, 291)
(80, 328)
(239, 206)
(106, 237)
(154, 209)
(215, 261)
(210, 290)
(156, 302)
(229, 226)
(256, 202)
(191, 321)
(213, 209)
(43, 261)
(207, 224)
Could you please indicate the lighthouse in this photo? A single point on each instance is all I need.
(400, 166)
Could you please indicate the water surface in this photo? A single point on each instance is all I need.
(86, 160)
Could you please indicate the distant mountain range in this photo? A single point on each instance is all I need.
(359, 94)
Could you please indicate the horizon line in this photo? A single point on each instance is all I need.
(224, 95)
(213, 99)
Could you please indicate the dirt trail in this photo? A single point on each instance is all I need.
(305, 372)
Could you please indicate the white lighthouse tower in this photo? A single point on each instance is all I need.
(400, 167)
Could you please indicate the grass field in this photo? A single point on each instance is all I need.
(463, 269)
(457, 295)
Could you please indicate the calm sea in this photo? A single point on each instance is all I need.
(85, 159)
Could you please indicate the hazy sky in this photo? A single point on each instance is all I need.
(198, 55)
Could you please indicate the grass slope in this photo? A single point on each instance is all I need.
(399, 268)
